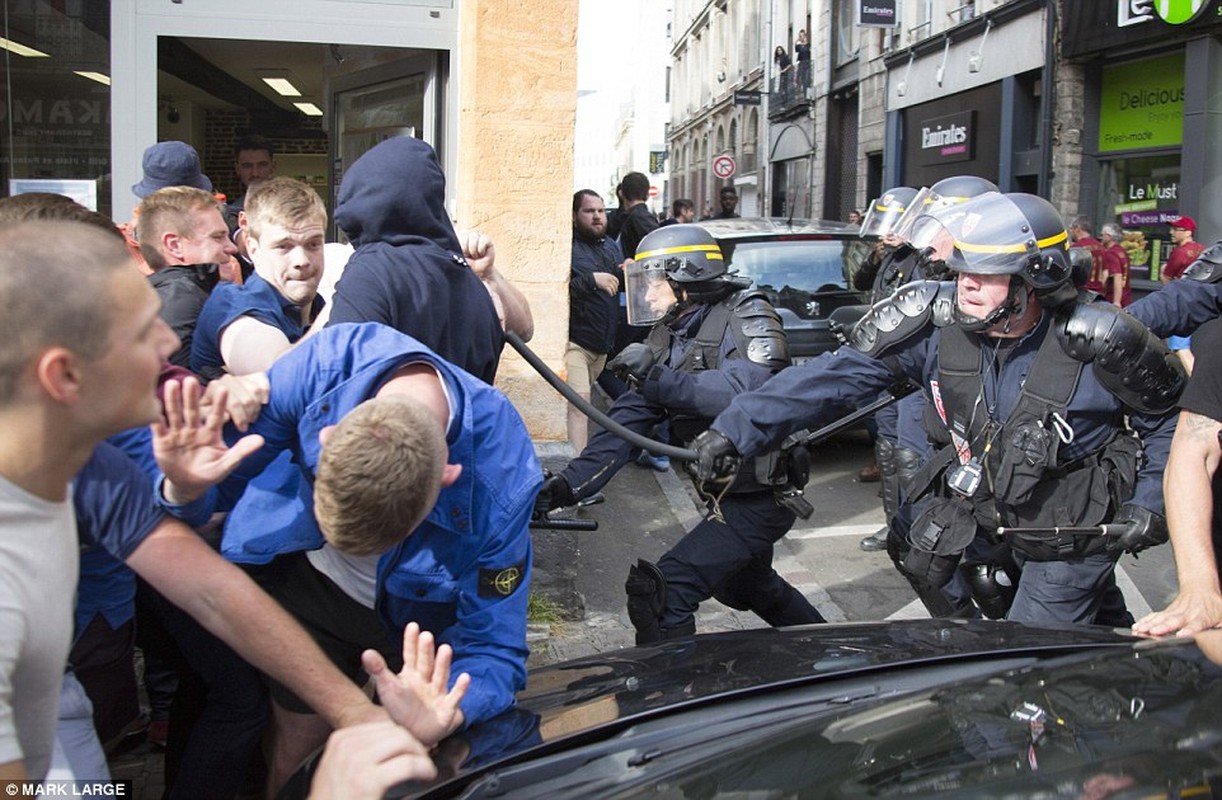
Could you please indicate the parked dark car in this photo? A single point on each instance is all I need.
(805, 268)
(915, 708)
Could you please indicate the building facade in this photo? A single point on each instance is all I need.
(717, 96)
(1095, 106)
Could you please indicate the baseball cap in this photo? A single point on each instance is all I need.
(171, 164)
(1184, 222)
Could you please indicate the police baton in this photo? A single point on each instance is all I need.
(631, 437)
(892, 394)
(544, 522)
(1097, 530)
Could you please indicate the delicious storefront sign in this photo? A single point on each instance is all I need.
(1142, 104)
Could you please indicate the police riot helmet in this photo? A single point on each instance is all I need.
(946, 192)
(886, 211)
(675, 266)
(1015, 234)
(1208, 266)
(960, 188)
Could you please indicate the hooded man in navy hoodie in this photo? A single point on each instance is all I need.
(408, 271)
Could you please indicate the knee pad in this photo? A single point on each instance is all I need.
(907, 463)
(992, 586)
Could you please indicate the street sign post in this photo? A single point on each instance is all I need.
(723, 167)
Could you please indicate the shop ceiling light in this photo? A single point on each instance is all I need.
(94, 76)
(21, 49)
(280, 81)
(309, 109)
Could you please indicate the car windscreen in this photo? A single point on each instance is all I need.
(1140, 722)
(808, 265)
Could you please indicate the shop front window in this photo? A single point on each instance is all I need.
(55, 99)
(1141, 194)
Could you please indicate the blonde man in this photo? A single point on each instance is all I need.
(243, 329)
(183, 239)
(365, 411)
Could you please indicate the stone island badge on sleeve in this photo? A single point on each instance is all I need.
(501, 582)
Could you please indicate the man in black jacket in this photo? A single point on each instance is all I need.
(183, 239)
(594, 287)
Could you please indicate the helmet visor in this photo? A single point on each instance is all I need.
(988, 235)
(926, 201)
(884, 215)
(647, 292)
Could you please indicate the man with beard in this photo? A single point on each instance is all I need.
(594, 286)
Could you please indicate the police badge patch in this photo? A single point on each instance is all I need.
(501, 582)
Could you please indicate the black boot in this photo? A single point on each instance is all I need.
(646, 588)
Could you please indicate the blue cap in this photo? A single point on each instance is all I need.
(171, 164)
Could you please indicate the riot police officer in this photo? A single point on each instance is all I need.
(711, 338)
(898, 212)
(1032, 389)
(879, 226)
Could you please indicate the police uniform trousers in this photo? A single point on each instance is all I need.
(1081, 590)
(732, 562)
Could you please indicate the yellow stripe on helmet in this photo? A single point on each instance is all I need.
(711, 251)
(1011, 248)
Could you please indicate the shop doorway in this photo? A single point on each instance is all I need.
(320, 106)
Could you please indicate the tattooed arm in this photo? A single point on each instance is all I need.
(1187, 487)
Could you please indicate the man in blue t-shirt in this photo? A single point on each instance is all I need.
(243, 328)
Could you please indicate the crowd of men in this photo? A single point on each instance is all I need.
(289, 497)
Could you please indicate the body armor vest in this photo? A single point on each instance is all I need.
(759, 337)
(1024, 482)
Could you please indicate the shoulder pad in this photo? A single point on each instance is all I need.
(759, 329)
(906, 312)
(748, 302)
(1129, 360)
(1203, 271)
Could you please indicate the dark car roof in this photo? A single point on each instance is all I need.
(748, 227)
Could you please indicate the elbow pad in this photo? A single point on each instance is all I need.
(1129, 360)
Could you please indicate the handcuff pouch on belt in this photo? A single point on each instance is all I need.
(787, 470)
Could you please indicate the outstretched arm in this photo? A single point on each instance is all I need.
(188, 444)
(1187, 483)
(222, 598)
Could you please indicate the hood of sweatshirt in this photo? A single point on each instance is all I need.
(395, 194)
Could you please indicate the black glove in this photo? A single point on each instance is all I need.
(556, 493)
(633, 363)
(1136, 528)
(716, 457)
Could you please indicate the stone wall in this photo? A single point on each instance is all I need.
(517, 97)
